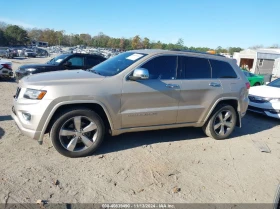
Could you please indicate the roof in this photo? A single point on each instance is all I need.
(269, 51)
(161, 51)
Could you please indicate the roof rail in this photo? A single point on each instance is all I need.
(198, 52)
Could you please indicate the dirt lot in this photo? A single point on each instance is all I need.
(141, 167)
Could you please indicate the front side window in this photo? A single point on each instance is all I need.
(77, 61)
(221, 69)
(194, 68)
(163, 67)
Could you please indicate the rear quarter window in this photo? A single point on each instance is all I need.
(221, 69)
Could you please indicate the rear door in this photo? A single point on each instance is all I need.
(199, 90)
(153, 101)
(223, 72)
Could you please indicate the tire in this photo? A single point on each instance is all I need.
(212, 129)
(64, 141)
(257, 84)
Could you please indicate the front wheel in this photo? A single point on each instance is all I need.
(221, 123)
(77, 133)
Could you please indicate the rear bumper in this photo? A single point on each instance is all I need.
(4, 72)
(27, 132)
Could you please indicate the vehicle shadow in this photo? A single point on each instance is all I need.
(254, 123)
(2, 132)
(19, 58)
(251, 124)
(8, 80)
(5, 118)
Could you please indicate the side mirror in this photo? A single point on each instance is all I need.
(266, 83)
(67, 64)
(140, 74)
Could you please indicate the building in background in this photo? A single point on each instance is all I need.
(39, 43)
(276, 68)
(258, 61)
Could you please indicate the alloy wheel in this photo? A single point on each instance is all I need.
(78, 133)
(223, 122)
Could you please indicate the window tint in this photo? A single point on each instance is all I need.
(194, 68)
(92, 61)
(77, 61)
(163, 67)
(222, 69)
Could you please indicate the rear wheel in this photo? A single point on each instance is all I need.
(257, 84)
(77, 133)
(221, 123)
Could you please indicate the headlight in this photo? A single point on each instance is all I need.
(30, 69)
(34, 94)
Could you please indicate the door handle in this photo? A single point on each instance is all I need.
(214, 84)
(172, 86)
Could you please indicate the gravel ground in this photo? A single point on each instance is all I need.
(176, 166)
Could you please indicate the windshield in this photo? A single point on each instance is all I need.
(275, 83)
(117, 64)
(58, 59)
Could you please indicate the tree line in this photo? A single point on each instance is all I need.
(16, 35)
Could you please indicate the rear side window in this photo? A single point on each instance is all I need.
(194, 68)
(222, 69)
(163, 67)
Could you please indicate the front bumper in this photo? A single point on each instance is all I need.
(267, 109)
(36, 109)
(27, 132)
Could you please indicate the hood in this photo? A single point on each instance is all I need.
(65, 77)
(265, 91)
(37, 66)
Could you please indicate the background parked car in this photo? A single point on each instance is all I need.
(61, 62)
(11, 53)
(5, 69)
(29, 53)
(41, 52)
(3, 51)
(266, 99)
(255, 80)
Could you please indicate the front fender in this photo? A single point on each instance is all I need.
(53, 108)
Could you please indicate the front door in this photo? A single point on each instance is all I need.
(77, 62)
(153, 101)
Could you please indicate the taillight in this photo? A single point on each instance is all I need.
(248, 85)
(6, 66)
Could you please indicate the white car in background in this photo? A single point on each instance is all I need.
(6, 69)
(266, 99)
